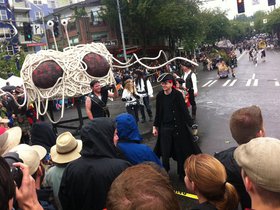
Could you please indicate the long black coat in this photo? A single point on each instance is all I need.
(184, 145)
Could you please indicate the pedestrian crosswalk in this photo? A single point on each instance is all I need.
(242, 82)
(230, 82)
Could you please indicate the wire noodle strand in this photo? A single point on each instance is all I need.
(74, 81)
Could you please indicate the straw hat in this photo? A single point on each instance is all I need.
(67, 148)
(4, 120)
(40, 150)
(9, 139)
(29, 156)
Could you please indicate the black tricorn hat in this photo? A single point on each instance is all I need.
(180, 80)
(139, 72)
(186, 64)
(164, 77)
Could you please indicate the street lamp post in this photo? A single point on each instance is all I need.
(121, 28)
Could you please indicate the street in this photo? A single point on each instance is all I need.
(217, 99)
(253, 85)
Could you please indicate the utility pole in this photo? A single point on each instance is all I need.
(121, 28)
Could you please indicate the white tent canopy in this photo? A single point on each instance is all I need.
(2, 82)
(15, 81)
(224, 44)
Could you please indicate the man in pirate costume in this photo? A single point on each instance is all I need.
(96, 102)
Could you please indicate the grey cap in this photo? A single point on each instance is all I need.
(259, 158)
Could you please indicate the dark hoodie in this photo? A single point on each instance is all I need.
(87, 180)
(42, 134)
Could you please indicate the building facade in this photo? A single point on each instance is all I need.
(8, 32)
(86, 27)
(32, 11)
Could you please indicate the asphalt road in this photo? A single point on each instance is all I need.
(217, 99)
(253, 85)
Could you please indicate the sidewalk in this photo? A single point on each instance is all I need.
(116, 107)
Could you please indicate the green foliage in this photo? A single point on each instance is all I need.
(259, 26)
(239, 30)
(80, 12)
(273, 22)
(181, 23)
(215, 26)
(8, 64)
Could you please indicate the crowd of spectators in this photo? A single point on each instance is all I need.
(96, 172)
(110, 168)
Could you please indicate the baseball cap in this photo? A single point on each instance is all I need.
(259, 159)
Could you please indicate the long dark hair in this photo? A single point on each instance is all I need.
(7, 185)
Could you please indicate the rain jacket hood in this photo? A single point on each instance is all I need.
(127, 128)
(97, 137)
(42, 134)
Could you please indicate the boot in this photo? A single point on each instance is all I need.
(194, 117)
(195, 129)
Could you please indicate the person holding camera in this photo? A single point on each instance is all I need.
(25, 194)
(131, 99)
(96, 101)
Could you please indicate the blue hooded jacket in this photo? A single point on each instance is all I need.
(130, 141)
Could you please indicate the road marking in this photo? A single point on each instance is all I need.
(188, 195)
(253, 77)
(212, 83)
(248, 82)
(207, 83)
(277, 84)
(225, 84)
(256, 82)
(233, 82)
(241, 55)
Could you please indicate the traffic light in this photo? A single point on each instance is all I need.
(240, 6)
(27, 30)
(55, 29)
(271, 2)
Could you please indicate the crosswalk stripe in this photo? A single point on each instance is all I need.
(233, 82)
(207, 83)
(277, 83)
(256, 82)
(225, 84)
(212, 83)
(248, 82)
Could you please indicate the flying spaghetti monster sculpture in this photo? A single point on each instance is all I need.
(51, 74)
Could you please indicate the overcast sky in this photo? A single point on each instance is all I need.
(251, 6)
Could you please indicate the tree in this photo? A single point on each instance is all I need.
(258, 18)
(215, 25)
(239, 30)
(179, 22)
(8, 63)
(273, 22)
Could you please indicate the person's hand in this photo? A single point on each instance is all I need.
(26, 195)
(175, 75)
(155, 131)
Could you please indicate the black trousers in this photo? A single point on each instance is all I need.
(133, 110)
(166, 145)
(192, 102)
(146, 101)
